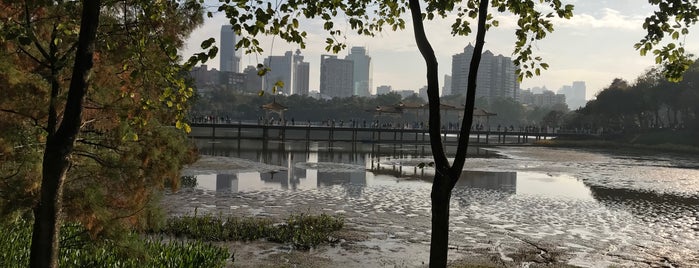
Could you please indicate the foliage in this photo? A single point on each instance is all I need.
(673, 19)
(652, 102)
(302, 231)
(126, 147)
(78, 250)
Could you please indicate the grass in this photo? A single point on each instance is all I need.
(79, 250)
(301, 231)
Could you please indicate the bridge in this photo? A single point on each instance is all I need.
(318, 132)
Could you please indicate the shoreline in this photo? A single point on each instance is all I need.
(609, 145)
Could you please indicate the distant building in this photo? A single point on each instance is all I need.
(496, 75)
(233, 81)
(362, 73)
(253, 82)
(546, 98)
(446, 88)
(280, 69)
(229, 62)
(422, 93)
(203, 76)
(291, 70)
(301, 74)
(405, 93)
(382, 90)
(575, 94)
(336, 76)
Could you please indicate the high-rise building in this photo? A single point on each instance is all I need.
(575, 94)
(381, 90)
(422, 93)
(253, 82)
(362, 71)
(446, 88)
(579, 96)
(281, 68)
(291, 70)
(229, 62)
(496, 75)
(301, 74)
(336, 76)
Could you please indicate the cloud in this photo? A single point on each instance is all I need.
(609, 19)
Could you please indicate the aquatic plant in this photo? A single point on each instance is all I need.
(302, 231)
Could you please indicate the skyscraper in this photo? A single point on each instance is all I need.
(446, 88)
(281, 69)
(336, 76)
(362, 71)
(291, 70)
(575, 94)
(229, 61)
(301, 74)
(496, 75)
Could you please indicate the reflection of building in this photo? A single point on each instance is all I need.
(227, 183)
(353, 182)
(280, 177)
(505, 182)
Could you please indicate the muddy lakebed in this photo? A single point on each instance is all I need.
(512, 205)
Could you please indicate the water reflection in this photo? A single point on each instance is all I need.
(536, 198)
(505, 182)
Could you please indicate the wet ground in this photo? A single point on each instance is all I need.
(584, 208)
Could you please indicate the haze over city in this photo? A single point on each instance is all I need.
(595, 46)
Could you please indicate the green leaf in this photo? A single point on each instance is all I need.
(207, 43)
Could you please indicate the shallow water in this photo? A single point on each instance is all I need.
(600, 208)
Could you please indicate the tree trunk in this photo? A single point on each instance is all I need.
(59, 146)
(446, 176)
(439, 243)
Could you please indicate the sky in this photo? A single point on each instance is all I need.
(595, 46)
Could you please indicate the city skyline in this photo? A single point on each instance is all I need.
(595, 46)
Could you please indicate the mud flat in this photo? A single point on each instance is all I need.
(535, 206)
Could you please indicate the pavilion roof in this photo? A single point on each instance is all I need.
(274, 106)
(482, 112)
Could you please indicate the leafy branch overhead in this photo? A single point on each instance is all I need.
(673, 18)
(250, 19)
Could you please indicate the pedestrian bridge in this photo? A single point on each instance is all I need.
(310, 132)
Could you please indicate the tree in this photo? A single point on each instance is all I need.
(94, 122)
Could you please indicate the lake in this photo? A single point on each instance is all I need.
(595, 207)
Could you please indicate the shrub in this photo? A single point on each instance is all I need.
(79, 250)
